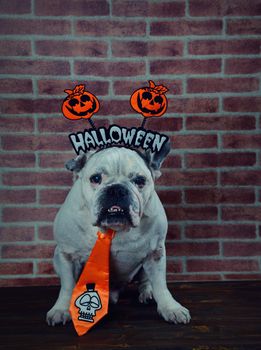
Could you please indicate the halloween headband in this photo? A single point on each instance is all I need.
(149, 101)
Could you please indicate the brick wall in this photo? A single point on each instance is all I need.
(208, 54)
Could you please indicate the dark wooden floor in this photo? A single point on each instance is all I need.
(225, 315)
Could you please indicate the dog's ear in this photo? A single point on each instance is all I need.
(76, 164)
(155, 159)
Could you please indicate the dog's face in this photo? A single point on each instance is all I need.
(116, 184)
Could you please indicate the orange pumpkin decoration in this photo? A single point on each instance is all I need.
(79, 103)
(150, 101)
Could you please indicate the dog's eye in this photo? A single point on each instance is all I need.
(96, 179)
(140, 181)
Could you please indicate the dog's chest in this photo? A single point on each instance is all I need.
(126, 259)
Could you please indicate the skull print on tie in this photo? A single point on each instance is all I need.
(90, 297)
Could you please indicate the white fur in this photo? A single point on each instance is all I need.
(141, 247)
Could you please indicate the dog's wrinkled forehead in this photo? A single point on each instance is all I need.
(117, 161)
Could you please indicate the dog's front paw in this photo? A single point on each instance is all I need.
(146, 294)
(55, 316)
(175, 313)
(114, 295)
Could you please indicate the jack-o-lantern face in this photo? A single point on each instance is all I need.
(150, 101)
(79, 103)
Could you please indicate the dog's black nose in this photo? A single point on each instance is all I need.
(117, 191)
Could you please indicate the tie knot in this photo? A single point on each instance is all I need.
(109, 233)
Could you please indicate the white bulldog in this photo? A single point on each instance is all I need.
(115, 189)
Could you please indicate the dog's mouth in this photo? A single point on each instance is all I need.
(115, 217)
(117, 207)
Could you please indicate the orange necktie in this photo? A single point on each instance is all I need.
(90, 297)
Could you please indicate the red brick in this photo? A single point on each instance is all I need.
(68, 48)
(34, 67)
(170, 196)
(192, 249)
(187, 178)
(55, 160)
(214, 47)
(17, 196)
(129, 48)
(37, 178)
(203, 8)
(28, 251)
(242, 249)
(186, 27)
(162, 124)
(34, 26)
(202, 85)
(22, 282)
(16, 234)
(28, 214)
(191, 213)
(21, 268)
(242, 104)
(217, 196)
(220, 123)
(126, 87)
(108, 69)
(206, 160)
(193, 105)
(241, 213)
(174, 266)
(15, 7)
(165, 48)
(15, 48)
(172, 162)
(207, 265)
(52, 196)
(115, 107)
(108, 27)
(193, 141)
(243, 26)
(57, 87)
(241, 177)
(142, 48)
(241, 141)
(16, 106)
(45, 268)
(16, 160)
(174, 232)
(185, 66)
(241, 231)
(128, 122)
(59, 124)
(46, 233)
(166, 9)
(35, 143)
(242, 65)
(130, 8)
(146, 8)
(71, 8)
(12, 86)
